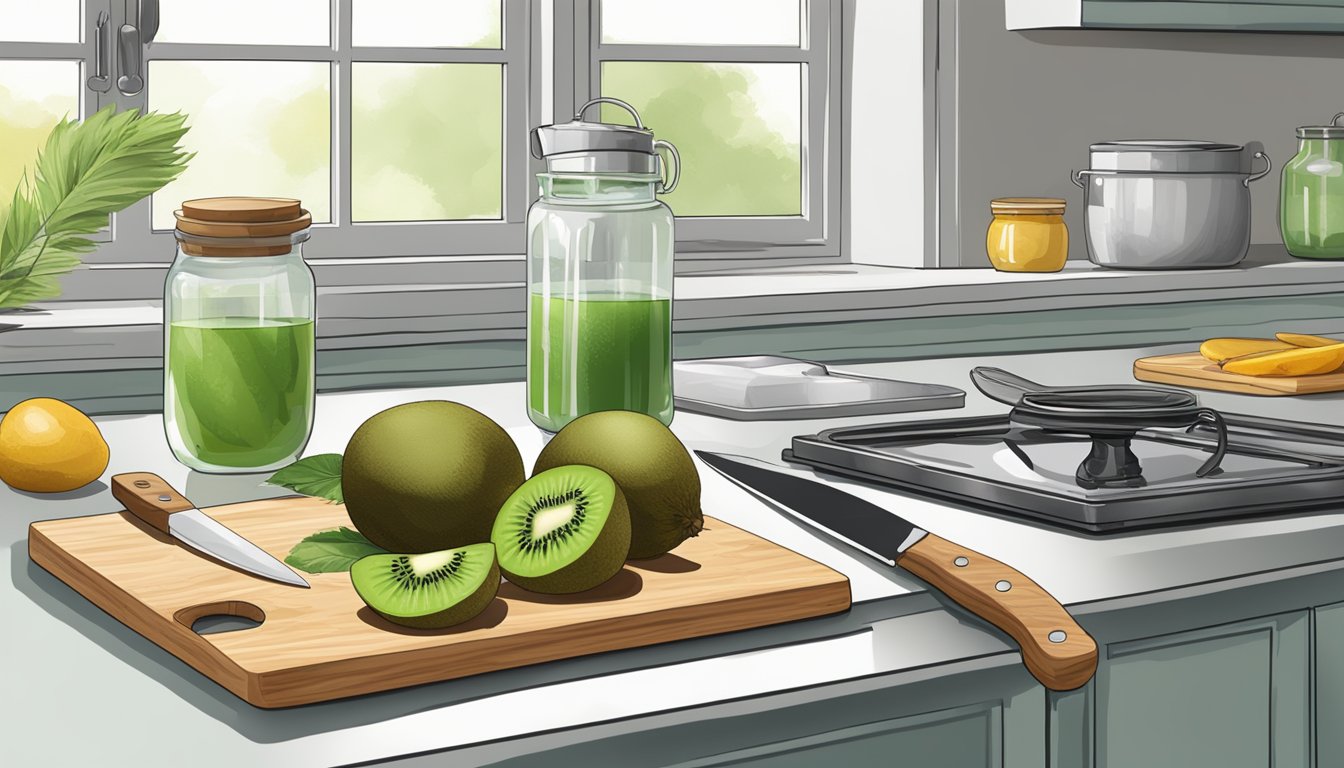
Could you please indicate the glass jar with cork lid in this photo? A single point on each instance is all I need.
(239, 315)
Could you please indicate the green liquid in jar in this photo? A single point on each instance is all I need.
(240, 392)
(593, 354)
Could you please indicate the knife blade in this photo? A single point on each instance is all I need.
(150, 498)
(1055, 649)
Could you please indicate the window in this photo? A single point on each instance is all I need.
(40, 84)
(401, 124)
(748, 92)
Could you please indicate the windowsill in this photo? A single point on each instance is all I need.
(111, 335)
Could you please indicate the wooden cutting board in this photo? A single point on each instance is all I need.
(323, 643)
(1190, 369)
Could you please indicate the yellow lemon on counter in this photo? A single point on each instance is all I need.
(47, 446)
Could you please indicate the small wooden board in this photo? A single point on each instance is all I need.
(323, 643)
(1190, 369)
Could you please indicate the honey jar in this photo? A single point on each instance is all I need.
(1027, 234)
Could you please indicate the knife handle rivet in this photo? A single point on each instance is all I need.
(165, 497)
(961, 562)
(141, 483)
(1058, 636)
(1003, 585)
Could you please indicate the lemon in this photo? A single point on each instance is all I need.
(48, 446)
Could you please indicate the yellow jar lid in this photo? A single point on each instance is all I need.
(1028, 206)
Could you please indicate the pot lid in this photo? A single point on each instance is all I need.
(1167, 156)
(1332, 131)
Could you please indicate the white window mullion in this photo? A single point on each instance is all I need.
(341, 35)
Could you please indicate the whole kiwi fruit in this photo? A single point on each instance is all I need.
(648, 463)
(428, 476)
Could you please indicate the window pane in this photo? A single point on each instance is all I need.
(702, 22)
(258, 128)
(34, 96)
(245, 22)
(45, 21)
(426, 141)
(737, 127)
(427, 23)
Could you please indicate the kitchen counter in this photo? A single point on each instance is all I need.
(83, 689)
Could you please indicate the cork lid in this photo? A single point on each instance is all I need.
(240, 226)
(1028, 206)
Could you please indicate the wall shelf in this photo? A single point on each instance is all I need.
(1318, 16)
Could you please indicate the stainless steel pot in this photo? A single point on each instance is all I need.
(1167, 204)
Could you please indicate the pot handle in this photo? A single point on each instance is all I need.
(1077, 178)
(1269, 166)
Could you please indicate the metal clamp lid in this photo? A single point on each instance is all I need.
(583, 146)
(1332, 131)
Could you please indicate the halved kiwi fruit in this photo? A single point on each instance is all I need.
(648, 462)
(431, 590)
(565, 530)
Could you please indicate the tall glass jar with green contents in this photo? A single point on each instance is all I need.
(599, 272)
(1311, 216)
(239, 313)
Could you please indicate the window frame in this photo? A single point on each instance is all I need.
(134, 241)
(817, 232)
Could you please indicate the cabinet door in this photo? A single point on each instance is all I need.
(1230, 696)
(1330, 685)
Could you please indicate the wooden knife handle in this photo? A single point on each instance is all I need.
(1055, 649)
(149, 497)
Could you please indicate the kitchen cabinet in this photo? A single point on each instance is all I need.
(1230, 15)
(1329, 658)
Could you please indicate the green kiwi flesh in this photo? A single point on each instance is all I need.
(648, 462)
(564, 530)
(430, 590)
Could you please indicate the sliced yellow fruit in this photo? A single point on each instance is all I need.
(1219, 350)
(1306, 340)
(1303, 361)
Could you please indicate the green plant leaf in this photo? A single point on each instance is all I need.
(331, 551)
(318, 476)
(84, 172)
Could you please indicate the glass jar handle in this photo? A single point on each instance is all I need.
(674, 173)
(609, 100)
(1335, 120)
(1269, 166)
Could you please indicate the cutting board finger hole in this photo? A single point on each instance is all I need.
(222, 616)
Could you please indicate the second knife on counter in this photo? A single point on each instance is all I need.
(1056, 650)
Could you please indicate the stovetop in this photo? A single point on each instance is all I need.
(1270, 467)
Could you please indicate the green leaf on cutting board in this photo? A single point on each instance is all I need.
(318, 476)
(331, 551)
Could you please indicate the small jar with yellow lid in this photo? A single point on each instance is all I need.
(1028, 234)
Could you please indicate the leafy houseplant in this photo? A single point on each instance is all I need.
(86, 171)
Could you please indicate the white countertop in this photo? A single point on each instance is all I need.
(81, 688)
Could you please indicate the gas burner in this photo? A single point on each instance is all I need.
(1147, 458)
(1111, 417)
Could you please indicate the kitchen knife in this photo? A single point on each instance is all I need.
(1054, 648)
(150, 498)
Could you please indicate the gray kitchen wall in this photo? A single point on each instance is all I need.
(1028, 104)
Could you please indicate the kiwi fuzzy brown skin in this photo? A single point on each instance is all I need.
(604, 558)
(428, 476)
(650, 466)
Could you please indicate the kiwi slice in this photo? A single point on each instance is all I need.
(564, 530)
(431, 590)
